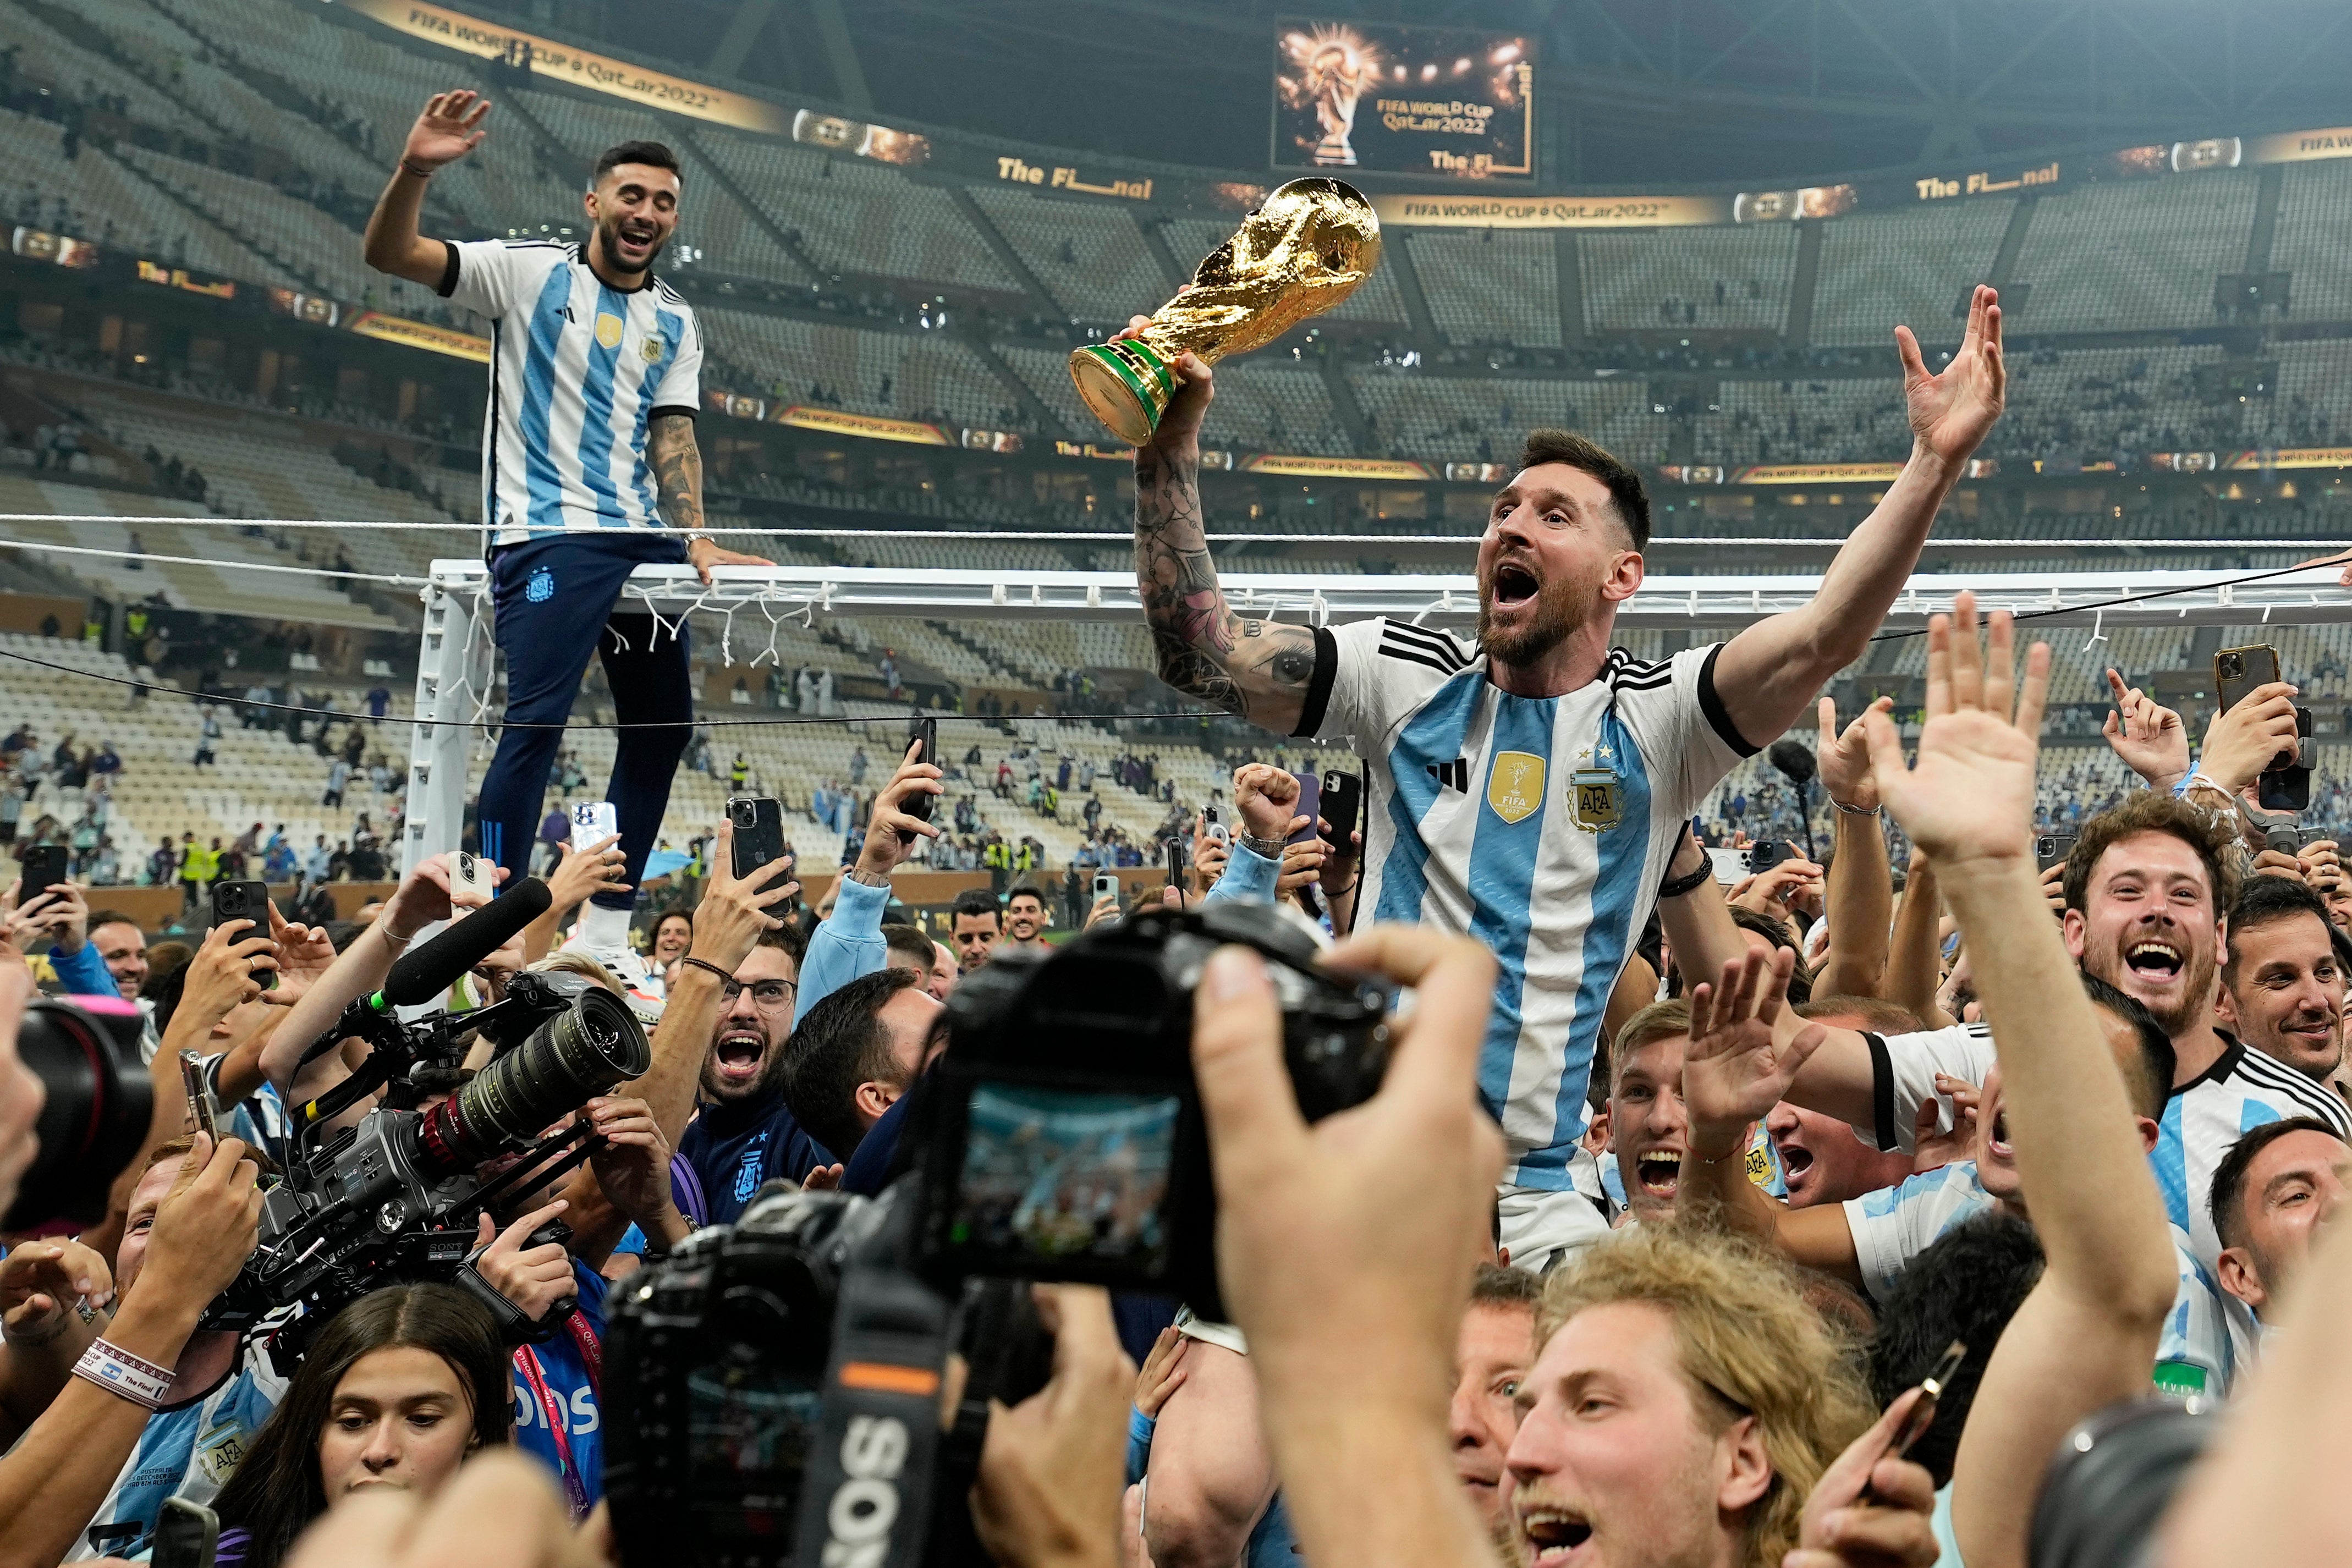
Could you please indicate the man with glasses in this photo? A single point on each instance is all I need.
(746, 1133)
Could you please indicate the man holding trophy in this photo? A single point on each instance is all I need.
(1527, 789)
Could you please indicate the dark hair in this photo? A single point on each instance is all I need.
(975, 901)
(2226, 1198)
(909, 943)
(2261, 901)
(1776, 931)
(1625, 491)
(164, 990)
(1877, 1014)
(652, 154)
(99, 917)
(667, 914)
(788, 938)
(2157, 1060)
(840, 1044)
(1497, 1285)
(2155, 811)
(1965, 1287)
(276, 1491)
(1019, 888)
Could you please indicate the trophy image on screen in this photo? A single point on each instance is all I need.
(1298, 254)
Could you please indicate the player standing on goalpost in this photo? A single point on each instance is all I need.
(589, 470)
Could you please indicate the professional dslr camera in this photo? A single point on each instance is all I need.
(773, 1394)
(394, 1198)
(98, 1101)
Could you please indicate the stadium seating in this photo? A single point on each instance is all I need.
(1090, 258)
(2105, 257)
(1489, 287)
(1912, 268)
(1713, 279)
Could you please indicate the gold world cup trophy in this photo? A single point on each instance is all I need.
(1298, 254)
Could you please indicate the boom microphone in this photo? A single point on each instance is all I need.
(1792, 759)
(433, 968)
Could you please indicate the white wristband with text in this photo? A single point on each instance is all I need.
(118, 1371)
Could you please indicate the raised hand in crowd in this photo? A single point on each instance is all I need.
(1932, 1149)
(1265, 799)
(2148, 736)
(892, 832)
(56, 917)
(2243, 738)
(305, 954)
(225, 973)
(1349, 1244)
(1209, 857)
(2086, 1333)
(579, 876)
(1858, 894)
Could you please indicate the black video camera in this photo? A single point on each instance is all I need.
(774, 1391)
(394, 1198)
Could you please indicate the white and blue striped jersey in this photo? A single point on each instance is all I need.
(187, 1450)
(2242, 1091)
(2201, 1349)
(1539, 826)
(577, 371)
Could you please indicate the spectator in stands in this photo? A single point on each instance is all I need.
(338, 774)
(208, 731)
(976, 925)
(12, 806)
(555, 591)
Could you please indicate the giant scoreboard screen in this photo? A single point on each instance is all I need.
(1432, 101)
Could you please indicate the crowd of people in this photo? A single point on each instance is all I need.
(1833, 1215)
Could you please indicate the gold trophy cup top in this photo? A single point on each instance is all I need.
(1298, 254)
(1304, 249)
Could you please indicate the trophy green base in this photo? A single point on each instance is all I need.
(1125, 384)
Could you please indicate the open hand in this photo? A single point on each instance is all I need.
(583, 873)
(450, 127)
(1970, 796)
(702, 555)
(1951, 412)
(734, 911)
(1733, 1073)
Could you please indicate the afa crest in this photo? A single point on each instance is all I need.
(1514, 784)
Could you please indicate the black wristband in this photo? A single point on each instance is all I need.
(1675, 886)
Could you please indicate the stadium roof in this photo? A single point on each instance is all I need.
(1633, 92)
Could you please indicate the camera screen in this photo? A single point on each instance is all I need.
(1052, 1173)
(749, 1421)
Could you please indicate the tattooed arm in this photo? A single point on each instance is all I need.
(677, 462)
(1259, 669)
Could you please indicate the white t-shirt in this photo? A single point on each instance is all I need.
(1539, 826)
(577, 371)
(2201, 1348)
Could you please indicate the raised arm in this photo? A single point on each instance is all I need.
(450, 127)
(1734, 1072)
(1258, 669)
(1767, 674)
(1914, 961)
(1861, 892)
(2086, 1335)
(1837, 1078)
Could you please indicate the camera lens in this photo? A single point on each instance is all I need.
(99, 1101)
(585, 1050)
(2112, 1479)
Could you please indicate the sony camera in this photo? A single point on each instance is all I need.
(394, 1198)
(774, 1391)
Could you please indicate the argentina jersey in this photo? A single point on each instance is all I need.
(1538, 826)
(578, 370)
(188, 1450)
(2242, 1091)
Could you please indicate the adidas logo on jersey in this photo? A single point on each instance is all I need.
(1454, 775)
